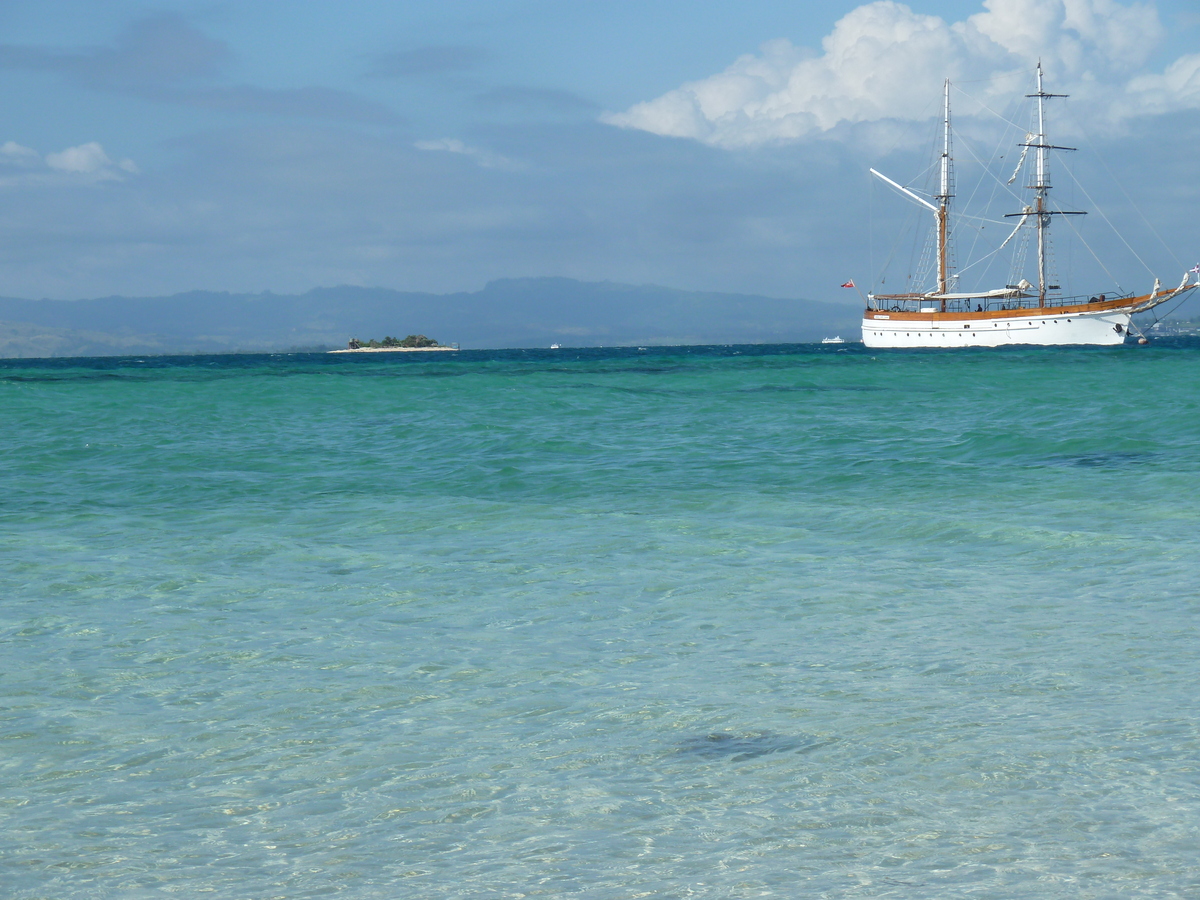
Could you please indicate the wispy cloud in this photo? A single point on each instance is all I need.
(483, 158)
(430, 60)
(163, 58)
(13, 154)
(306, 102)
(536, 99)
(882, 61)
(157, 50)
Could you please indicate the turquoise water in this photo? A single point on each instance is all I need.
(795, 621)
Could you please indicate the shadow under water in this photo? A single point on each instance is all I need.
(1112, 460)
(741, 747)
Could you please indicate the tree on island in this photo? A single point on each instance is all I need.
(413, 340)
(417, 340)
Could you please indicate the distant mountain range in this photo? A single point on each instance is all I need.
(521, 312)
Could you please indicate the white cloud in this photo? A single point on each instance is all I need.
(1177, 87)
(883, 61)
(90, 162)
(482, 157)
(13, 154)
(86, 159)
(86, 163)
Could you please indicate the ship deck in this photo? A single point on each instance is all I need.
(1004, 310)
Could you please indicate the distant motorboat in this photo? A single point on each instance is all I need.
(555, 347)
(836, 339)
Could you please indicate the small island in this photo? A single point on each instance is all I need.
(390, 344)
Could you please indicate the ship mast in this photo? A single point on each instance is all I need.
(1041, 185)
(943, 198)
(940, 210)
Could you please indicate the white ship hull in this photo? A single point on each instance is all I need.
(1032, 326)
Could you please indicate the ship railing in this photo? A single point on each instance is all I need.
(920, 303)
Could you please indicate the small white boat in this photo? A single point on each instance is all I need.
(555, 347)
(836, 339)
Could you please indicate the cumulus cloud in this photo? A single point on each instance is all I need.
(87, 163)
(482, 157)
(1177, 87)
(883, 61)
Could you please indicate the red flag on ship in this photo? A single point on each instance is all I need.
(849, 283)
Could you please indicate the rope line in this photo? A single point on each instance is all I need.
(1092, 147)
(1099, 261)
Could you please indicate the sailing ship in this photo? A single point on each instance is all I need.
(1020, 313)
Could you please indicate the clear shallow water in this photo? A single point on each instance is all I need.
(690, 622)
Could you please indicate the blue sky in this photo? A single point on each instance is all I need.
(158, 147)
